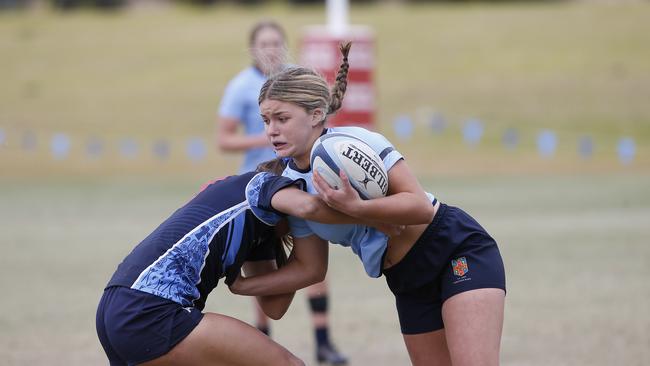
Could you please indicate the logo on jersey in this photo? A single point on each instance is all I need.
(460, 266)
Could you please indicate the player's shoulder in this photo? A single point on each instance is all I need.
(376, 140)
(351, 130)
(355, 131)
(244, 78)
(291, 171)
(256, 180)
(229, 184)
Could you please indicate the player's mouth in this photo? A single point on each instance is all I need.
(279, 145)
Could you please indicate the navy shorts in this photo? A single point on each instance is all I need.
(135, 327)
(453, 255)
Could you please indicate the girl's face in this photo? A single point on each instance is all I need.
(268, 50)
(291, 129)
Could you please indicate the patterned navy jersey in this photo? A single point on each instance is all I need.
(210, 237)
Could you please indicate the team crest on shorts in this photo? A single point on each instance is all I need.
(460, 266)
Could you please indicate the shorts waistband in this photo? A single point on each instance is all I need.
(435, 223)
(430, 230)
(442, 209)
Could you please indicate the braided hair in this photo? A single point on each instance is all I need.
(306, 88)
(341, 84)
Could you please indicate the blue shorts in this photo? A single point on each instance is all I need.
(135, 327)
(453, 255)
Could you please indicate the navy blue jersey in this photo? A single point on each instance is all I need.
(210, 237)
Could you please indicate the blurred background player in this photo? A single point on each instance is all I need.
(239, 109)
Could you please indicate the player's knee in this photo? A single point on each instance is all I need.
(297, 362)
(292, 360)
(282, 357)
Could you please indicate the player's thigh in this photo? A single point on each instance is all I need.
(473, 324)
(428, 349)
(222, 340)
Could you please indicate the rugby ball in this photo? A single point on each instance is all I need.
(364, 168)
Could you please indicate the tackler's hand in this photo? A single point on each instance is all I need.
(237, 286)
(345, 199)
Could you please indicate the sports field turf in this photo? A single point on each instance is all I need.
(575, 248)
(573, 232)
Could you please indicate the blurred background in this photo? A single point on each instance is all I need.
(534, 116)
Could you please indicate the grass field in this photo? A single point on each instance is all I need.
(573, 232)
(575, 248)
(576, 68)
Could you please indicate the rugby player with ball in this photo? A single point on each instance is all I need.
(444, 269)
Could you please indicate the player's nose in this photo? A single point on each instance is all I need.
(272, 128)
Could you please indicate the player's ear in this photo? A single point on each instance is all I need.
(317, 116)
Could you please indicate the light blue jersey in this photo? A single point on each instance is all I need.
(240, 102)
(366, 242)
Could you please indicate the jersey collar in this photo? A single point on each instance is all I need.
(293, 165)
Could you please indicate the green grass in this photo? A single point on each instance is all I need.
(577, 68)
(573, 232)
(575, 249)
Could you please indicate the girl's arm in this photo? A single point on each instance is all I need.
(295, 202)
(274, 306)
(230, 140)
(307, 265)
(406, 202)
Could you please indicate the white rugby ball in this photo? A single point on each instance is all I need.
(364, 168)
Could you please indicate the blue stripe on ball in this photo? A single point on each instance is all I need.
(324, 149)
(321, 151)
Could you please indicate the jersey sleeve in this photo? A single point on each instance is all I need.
(232, 102)
(298, 227)
(260, 191)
